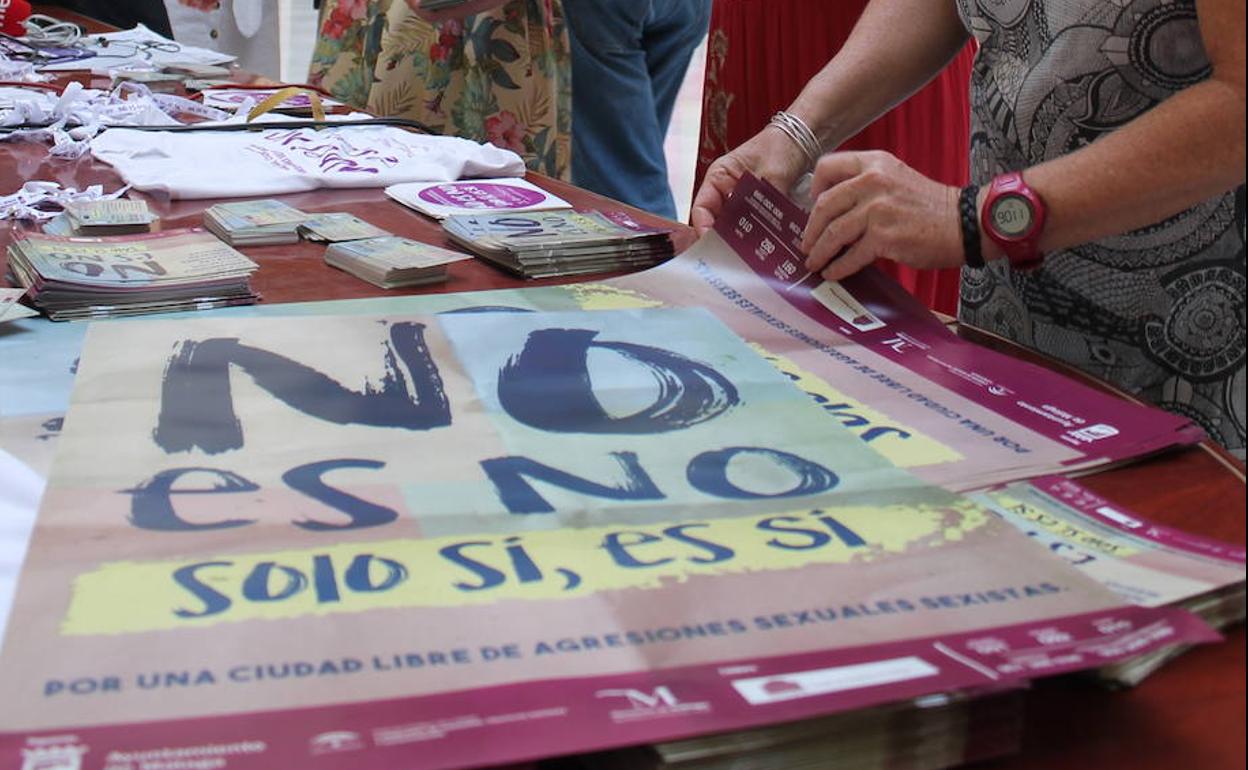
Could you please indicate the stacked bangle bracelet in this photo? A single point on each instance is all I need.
(800, 133)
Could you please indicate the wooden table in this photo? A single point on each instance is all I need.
(1191, 714)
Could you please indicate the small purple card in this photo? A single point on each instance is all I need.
(475, 196)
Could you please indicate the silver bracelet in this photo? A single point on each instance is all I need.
(800, 133)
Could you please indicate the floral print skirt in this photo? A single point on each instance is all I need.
(502, 76)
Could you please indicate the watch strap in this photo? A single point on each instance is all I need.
(972, 246)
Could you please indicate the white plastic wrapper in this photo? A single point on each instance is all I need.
(68, 121)
(20, 72)
(44, 200)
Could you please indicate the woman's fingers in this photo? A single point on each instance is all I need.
(856, 257)
(716, 187)
(827, 243)
(830, 206)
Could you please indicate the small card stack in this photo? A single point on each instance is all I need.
(392, 262)
(255, 223)
(338, 226)
(554, 243)
(193, 70)
(160, 82)
(117, 216)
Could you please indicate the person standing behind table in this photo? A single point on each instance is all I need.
(123, 14)
(246, 29)
(759, 55)
(629, 58)
(1107, 227)
(487, 71)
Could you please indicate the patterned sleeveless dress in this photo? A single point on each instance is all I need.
(1159, 311)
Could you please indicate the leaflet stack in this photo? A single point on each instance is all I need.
(554, 243)
(255, 223)
(75, 278)
(392, 262)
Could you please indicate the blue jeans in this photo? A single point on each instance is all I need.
(629, 58)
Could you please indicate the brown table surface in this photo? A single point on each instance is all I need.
(1190, 714)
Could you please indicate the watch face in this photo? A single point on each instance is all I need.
(1012, 215)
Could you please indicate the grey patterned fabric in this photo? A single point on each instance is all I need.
(1159, 311)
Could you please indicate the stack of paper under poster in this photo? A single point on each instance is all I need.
(73, 278)
(1144, 562)
(552, 243)
(928, 733)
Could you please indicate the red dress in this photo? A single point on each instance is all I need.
(762, 52)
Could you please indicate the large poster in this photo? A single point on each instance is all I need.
(464, 538)
(955, 414)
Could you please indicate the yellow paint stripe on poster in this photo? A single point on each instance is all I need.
(475, 570)
(901, 444)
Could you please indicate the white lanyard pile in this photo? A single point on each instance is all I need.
(69, 121)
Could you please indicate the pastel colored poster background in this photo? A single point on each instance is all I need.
(268, 500)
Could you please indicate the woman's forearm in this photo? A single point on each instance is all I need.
(894, 50)
(1185, 150)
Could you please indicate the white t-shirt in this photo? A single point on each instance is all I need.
(276, 161)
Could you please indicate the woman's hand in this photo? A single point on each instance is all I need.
(458, 12)
(869, 205)
(769, 154)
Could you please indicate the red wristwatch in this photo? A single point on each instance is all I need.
(1013, 217)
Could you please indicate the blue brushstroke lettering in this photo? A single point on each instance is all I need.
(307, 479)
(547, 386)
(197, 408)
(151, 507)
(708, 472)
(515, 491)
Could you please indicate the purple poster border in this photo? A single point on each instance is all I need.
(542, 718)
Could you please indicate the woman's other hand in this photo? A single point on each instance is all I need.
(769, 154)
(869, 205)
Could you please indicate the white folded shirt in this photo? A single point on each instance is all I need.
(206, 164)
